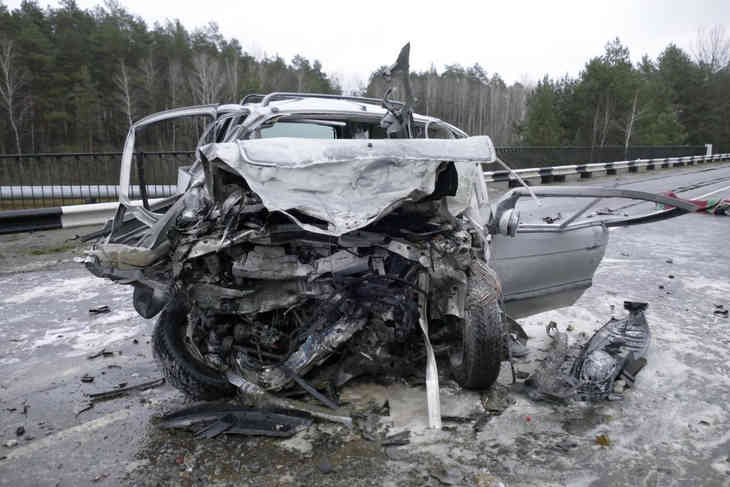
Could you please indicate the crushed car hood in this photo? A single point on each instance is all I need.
(349, 183)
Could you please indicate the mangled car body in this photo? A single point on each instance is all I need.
(317, 238)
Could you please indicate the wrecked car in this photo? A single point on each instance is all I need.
(317, 238)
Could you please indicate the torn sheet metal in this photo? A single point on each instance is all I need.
(347, 184)
(270, 263)
(433, 399)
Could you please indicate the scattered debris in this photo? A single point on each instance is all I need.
(712, 206)
(669, 261)
(566, 444)
(20, 431)
(325, 467)
(721, 312)
(457, 419)
(399, 439)
(589, 371)
(516, 339)
(101, 353)
(99, 477)
(671, 276)
(10, 443)
(550, 219)
(481, 422)
(228, 419)
(103, 396)
(496, 400)
(86, 378)
(447, 476)
(603, 440)
(85, 407)
(100, 310)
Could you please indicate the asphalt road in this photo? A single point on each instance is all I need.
(672, 428)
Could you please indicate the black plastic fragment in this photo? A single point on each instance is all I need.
(397, 439)
(309, 388)
(239, 420)
(100, 309)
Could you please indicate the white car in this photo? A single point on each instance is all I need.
(319, 237)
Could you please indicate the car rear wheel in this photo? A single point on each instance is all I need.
(477, 357)
(179, 365)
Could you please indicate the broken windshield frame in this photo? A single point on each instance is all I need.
(509, 202)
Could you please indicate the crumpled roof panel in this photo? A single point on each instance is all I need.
(346, 183)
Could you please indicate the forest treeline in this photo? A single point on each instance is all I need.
(674, 99)
(73, 80)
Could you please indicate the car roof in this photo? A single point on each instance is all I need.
(309, 103)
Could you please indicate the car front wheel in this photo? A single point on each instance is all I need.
(477, 357)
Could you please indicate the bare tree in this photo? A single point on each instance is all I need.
(232, 77)
(121, 82)
(630, 123)
(149, 82)
(712, 48)
(174, 72)
(13, 81)
(207, 82)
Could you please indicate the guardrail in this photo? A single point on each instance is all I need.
(585, 171)
(58, 179)
(97, 214)
(96, 191)
(16, 221)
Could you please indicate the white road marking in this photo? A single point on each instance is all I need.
(87, 427)
(711, 192)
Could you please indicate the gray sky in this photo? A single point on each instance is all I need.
(520, 40)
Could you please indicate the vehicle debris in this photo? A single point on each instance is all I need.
(87, 378)
(122, 391)
(603, 440)
(100, 310)
(101, 353)
(588, 371)
(447, 475)
(397, 439)
(713, 206)
(217, 419)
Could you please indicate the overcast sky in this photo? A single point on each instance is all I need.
(520, 40)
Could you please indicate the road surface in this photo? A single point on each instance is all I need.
(672, 428)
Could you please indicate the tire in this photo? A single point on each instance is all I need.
(179, 366)
(476, 359)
